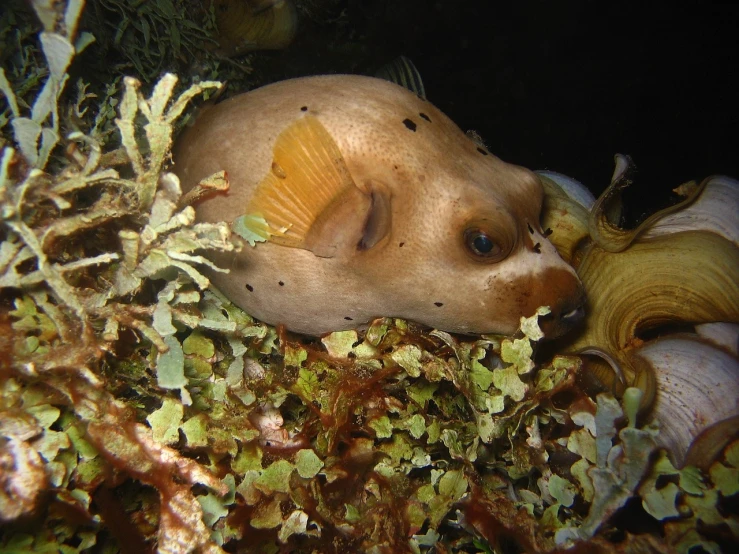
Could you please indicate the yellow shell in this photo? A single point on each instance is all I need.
(248, 25)
(678, 268)
(565, 217)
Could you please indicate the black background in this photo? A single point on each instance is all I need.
(562, 85)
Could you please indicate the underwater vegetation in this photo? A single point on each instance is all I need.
(142, 411)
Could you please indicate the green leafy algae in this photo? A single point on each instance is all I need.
(252, 228)
(165, 421)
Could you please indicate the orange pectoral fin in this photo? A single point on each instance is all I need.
(308, 192)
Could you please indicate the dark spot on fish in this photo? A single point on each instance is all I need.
(281, 283)
(401, 244)
(537, 248)
(395, 167)
(409, 124)
(438, 304)
(530, 229)
(482, 151)
(423, 115)
(348, 318)
(351, 355)
(304, 108)
(249, 287)
(547, 232)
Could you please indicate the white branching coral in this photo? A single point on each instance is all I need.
(77, 245)
(166, 243)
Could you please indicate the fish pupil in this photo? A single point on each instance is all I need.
(482, 247)
(482, 244)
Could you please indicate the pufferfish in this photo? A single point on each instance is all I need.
(377, 205)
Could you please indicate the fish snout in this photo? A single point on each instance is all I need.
(565, 315)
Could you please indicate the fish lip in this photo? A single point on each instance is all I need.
(564, 317)
(575, 315)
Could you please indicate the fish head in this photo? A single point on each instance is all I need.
(464, 250)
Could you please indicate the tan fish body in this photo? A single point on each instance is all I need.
(389, 210)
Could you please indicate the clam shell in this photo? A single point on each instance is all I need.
(724, 335)
(697, 388)
(679, 267)
(573, 188)
(715, 209)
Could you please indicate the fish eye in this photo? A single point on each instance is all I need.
(482, 246)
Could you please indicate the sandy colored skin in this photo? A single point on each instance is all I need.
(437, 183)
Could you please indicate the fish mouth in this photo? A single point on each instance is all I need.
(564, 317)
(575, 315)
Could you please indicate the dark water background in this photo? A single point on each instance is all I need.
(561, 85)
